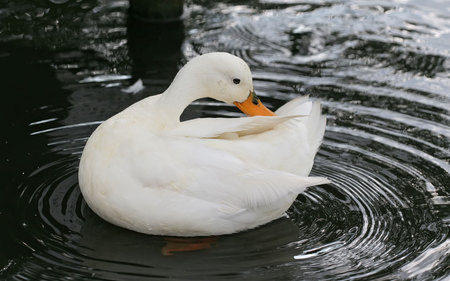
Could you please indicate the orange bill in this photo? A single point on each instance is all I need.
(252, 106)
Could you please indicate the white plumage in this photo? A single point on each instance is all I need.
(144, 170)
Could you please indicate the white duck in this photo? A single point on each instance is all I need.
(144, 170)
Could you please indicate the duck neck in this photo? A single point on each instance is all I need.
(176, 98)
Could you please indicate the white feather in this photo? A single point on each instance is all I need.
(144, 170)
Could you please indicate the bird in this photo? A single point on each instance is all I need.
(145, 170)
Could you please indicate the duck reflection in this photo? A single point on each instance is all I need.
(150, 256)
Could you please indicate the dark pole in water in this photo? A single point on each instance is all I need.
(157, 10)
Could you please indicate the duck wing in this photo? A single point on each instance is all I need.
(224, 127)
(217, 177)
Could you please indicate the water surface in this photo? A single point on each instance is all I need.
(380, 69)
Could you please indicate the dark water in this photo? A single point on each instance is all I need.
(380, 69)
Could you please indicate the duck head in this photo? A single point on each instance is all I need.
(223, 77)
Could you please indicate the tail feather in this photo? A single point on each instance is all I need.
(298, 106)
(316, 126)
(315, 122)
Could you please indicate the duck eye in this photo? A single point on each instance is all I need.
(236, 81)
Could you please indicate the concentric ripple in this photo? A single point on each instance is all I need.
(379, 69)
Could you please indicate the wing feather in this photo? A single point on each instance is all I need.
(217, 127)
